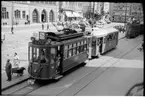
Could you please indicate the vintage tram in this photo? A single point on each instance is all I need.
(51, 54)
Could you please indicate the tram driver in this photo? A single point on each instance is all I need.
(42, 57)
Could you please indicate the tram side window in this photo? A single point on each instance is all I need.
(85, 45)
(70, 50)
(42, 56)
(65, 51)
(108, 38)
(111, 37)
(105, 39)
(34, 54)
(74, 49)
(30, 53)
(82, 45)
(78, 47)
(53, 55)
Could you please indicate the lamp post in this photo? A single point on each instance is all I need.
(29, 11)
(12, 19)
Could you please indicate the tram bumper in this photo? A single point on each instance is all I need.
(34, 71)
(41, 71)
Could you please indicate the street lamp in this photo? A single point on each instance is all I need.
(12, 19)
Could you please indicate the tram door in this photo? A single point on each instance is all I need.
(94, 46)
(100, 44)
(55, 60)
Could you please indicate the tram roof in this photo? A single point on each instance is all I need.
(55, 32)
(103, 32)
(111, 30)
(62, 35)
(99, 33)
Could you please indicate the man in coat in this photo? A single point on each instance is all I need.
(8, 70)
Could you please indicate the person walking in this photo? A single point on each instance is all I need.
(16, 61)
(42, 26)
(47, 26)
(8, 69)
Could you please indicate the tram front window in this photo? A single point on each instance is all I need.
(38, 55)
(42, 57)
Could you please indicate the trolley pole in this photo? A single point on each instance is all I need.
(12, 19)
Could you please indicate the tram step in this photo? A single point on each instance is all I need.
(58, 77)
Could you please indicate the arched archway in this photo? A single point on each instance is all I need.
(35, 16)
(43, 16)
(51, 16)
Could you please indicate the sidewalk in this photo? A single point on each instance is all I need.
(15, 79)
(37, 26)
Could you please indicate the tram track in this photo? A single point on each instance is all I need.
(95, 70)
(24, 90)
(105, 70)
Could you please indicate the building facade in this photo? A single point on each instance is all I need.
(70, 10)
(21, 12)
(123, 11)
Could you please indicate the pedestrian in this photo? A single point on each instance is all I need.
(47, 26)
(12, 30)
(16, 61)
(8, 69)
(42, 26)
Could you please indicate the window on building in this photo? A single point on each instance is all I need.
(24, 14)
(35, 16)
(43, 16)
(17, 14)
(51, 16)
(54, 3)
(4, 13)
(50, 2)
(7, 14)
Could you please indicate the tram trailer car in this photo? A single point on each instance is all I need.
(111, 40)
(53, 54)
(103, 40)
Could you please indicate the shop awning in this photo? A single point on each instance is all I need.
(69, 14)
(77, 14)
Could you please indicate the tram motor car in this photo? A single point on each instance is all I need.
(51, 54)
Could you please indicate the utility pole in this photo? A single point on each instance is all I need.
(29, 11)
(12, 19)
(125, 13)
(93, 13)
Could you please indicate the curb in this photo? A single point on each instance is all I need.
(3, 89)
(122, 38)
